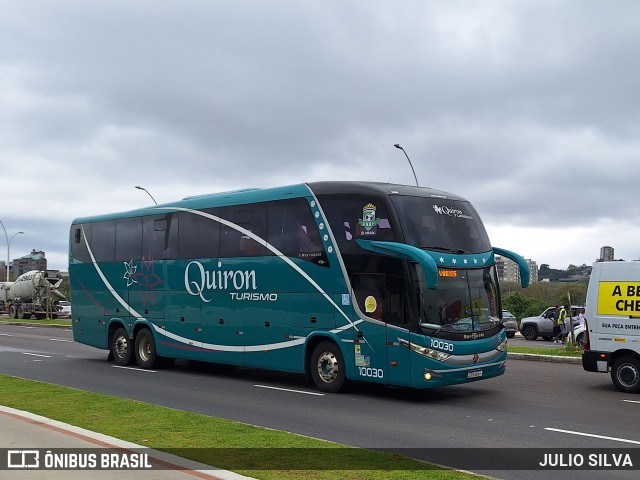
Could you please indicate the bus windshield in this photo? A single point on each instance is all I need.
(465, 301)
(441, 224)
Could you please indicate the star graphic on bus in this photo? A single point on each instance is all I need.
(130, 270)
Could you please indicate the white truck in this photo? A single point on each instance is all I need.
(612, 330)
(34, 293)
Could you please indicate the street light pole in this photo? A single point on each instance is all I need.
(142, 188)
(6, 236)
(8, 247)
(397, 145)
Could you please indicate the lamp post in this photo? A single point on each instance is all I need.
(142, 188)
(6, 236)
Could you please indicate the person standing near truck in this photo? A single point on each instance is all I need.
(561, 314)
(553, 316)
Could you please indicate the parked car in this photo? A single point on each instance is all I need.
(510, 323)
(578, 334)
(541, 325)
(65, 308)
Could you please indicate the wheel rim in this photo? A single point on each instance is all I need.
(530, 333)
(328, 367)
(144, 349)
(121, 347)
(628, 375)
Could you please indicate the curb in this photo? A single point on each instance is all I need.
(99, 440)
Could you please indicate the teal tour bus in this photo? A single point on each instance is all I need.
(361, 281)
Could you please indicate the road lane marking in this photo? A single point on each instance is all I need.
(631, 401)
(593, 435)
(290, 390)
(135, 368)
(5, 335)
(36, 355)
(60, 340)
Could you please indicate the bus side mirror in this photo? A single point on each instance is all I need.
(406, 252)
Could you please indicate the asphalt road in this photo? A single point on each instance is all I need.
(534, 405)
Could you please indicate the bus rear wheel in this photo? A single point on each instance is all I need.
(121, 347)
(327, 367)
(625, 374)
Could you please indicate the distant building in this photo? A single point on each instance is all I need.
(533, 270)
(508, 270)
(606, 254)
(36, 260)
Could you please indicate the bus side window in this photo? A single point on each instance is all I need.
(128, 239)
(293, 231)
(380, 296)
(197, 235)
(233, 242)
(79, 249)
(369, 289)
(159, 237)
(103, 240)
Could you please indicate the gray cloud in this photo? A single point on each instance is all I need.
(528, 109)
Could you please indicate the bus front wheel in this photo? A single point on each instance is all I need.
(121, 347)
(625, 374)
(146, 353)
(327, 367)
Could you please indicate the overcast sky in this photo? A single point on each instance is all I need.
(529, 109)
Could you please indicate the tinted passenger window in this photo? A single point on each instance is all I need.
(128, 239)
(160, 237)
(236, 243)
(78, 245)
(198, 235)
(103, 241)
(294, 231)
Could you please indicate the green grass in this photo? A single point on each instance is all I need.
(564, 351)
(248, 449)
(44, 321)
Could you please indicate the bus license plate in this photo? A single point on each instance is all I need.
(474, 374)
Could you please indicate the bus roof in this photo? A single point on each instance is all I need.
(253, 195)
(379, 188)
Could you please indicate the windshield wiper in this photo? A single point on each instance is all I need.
(458, 251)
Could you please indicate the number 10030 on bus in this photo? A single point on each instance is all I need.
(340, 281)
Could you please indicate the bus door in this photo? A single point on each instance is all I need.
(380, 355)
(398, 334)
(370, 338)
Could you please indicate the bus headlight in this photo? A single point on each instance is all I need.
(430, 353)
(424, 351)
(502, 347)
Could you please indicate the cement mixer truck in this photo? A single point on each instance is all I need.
(34, 293)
